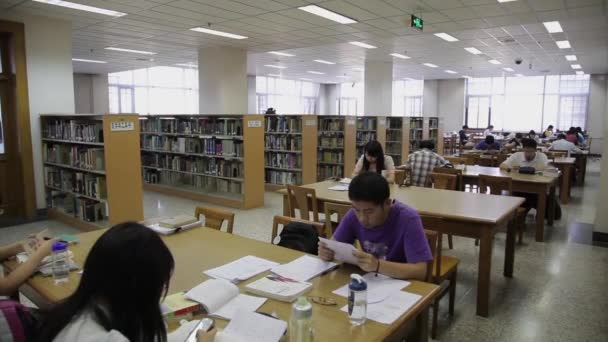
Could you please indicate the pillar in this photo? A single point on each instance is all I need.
(222, 77)
(378, 88)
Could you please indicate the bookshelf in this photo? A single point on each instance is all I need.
(397, 137)
(336, 146)
(91, 169)
(432, 131)
(213, 158)
(287, 160)
(367, 130)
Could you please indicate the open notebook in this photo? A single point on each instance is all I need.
(220, 298)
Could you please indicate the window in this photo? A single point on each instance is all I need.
(286, 96)
(350, 99)
(407, 98)
(155, 90)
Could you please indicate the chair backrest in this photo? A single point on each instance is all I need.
(471, 158)
(284, 220)
(435, 237)
(557, 154)
(451, 171)
(443, 181)
(456, 160)
(431, 237)
(399, 176)
(330, 209)
(497, 185)
(214, 218)
(303, 199)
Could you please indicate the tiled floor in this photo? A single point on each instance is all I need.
(558, 292)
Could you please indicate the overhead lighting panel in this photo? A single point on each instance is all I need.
(327, 14)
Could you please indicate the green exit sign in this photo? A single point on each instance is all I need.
(417, 22)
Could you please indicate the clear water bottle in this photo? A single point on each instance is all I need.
(61, 262)
(300, 324)
(357, 299)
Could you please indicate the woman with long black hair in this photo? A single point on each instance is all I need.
(374, 160)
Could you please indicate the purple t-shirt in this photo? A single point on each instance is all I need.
(400, 239)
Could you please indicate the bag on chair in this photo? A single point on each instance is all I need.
(300, 237)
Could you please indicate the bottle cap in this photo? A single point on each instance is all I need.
(59, 246)
(357, 283)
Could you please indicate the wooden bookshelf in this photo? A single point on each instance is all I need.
(397, 139)
(336, 146)
(91, 169)
(212, 158)
(287, 159)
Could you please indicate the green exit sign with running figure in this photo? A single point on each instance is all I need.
(417, 22)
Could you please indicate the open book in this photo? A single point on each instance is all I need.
(279, 288)
(220, 298)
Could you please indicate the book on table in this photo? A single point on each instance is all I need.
(177, 221)
(279, 288)
(222, 299)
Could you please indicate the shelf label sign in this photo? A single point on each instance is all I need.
(310, 123)
(382, 121)
(350, 122)
(118, 126)
(254, 123)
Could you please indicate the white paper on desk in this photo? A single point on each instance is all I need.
(303, 268)
(342, 251)
(338, 187)
(345, 180)
(240, 303)
(390, 309)
(221, 298)
(378, 287)
(241, 269)
(253, 327)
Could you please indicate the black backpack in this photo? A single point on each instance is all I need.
(300, 237)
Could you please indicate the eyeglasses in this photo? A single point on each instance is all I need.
(323, 300)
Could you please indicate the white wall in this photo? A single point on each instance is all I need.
(378, 88)
(48, 45)
(101, 97)
(251, 95)
(450, 103)
(328, 94)
(222, 80)
(601, 218)
(598, 102)
(430, 96)
(83, 93)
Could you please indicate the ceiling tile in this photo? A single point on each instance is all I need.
(460, 13)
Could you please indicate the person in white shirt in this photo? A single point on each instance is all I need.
(374, 160)
(527, 157)
(532, 135)
(488, 131)
(561, 144)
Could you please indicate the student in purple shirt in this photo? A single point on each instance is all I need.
(389, 231)
(488, 144)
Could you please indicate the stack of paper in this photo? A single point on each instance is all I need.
(342, 251)
(338, 187)
(390, 309)
(304, 268)
(378, 287)
(279, 288)
(253, 327)
(241, 269)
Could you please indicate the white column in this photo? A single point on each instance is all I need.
(597, 111)
(328, 94)
(430, 96)
(222, 77)
(450, 103)
(251, 95)
(378, 88)
(601, 214)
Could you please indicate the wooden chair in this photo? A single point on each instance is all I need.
(284, 220)
(444, 270)
(471, 158)
(399, 176)
(451, 171)
(442, 181)
(456, 160)
(330, 209)
(214, 218)
(303, 199)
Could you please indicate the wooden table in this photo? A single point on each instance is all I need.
(566, 166)
(535, 184)
(199, 249)
(466, 214)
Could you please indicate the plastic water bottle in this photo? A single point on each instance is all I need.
(300, 324)
(357, 299)
(61, 262)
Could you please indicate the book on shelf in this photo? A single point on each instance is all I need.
(194, 164)
(331, 141)
(331, 124)
(331, 157)
(78, 182)
(283, 177)
(283, 142)
(90, 158)
(329, 171)
(73, 130)
(280, 124)
(209, 146)
(366, 124)
(83, 208)
(193, 125)
(394, 123)
(198, 183)
(283, 160)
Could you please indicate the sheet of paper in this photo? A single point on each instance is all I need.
(378, 288)
(242, 302)
(181, 334)
(253, 327)
(304, 268)
(241, 269)
(338, 187)
(345, 180)
(343, 251)
(213, 293)
(390, 309)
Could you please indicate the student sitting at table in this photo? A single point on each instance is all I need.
(527, 157)
(549, 132)
(10, 283)
(488, 131)
(374, 160)
(572, 136)
(488, 144)
(390, 232)
(580, 135)
(462, 135)
(561, 144)
(515, 142)
(422, 162)
(532, 135)
(126, 275)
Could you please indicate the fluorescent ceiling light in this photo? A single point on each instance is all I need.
(218, 33)
(473, 50)
(87, 60)
(398, 55)
(275, 66)
(493, 61)
(82, 7)
(315, 72)
(430, 65)
(571, 58)
(576, 66)
(580, 72)
(281, 53)
(363, 45)
(409, 79)
(305, 79)
(506, 0)
(323, 61)
(132, 51)
(275, 75)
(563, 44)
(451, 72)
(553, 26)
(508, 69)
(187, 65)
(327, 14)
(446, 37)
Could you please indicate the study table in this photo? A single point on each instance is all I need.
(566, 166)
(199, 249)
(465, 214)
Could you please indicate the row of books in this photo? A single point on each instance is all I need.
(433, 134)
(283, 160)
(194, 182)
(394, 123)
(331, 157)
(79, 207)
(210, 146)
(393, 148)
(416, 122)
(393, 135)
(64, 129)
(283, 177)
(331, 124)
(283, 124)
(329, 171)
(78, 182)
(331, 141)
(434, 123)
(77, 156)
(415, 134)
(364, 137)
(208, 166)
(283, 142)
(193, 125)
(366, 124)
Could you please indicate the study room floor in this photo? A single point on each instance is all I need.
(557, 292)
